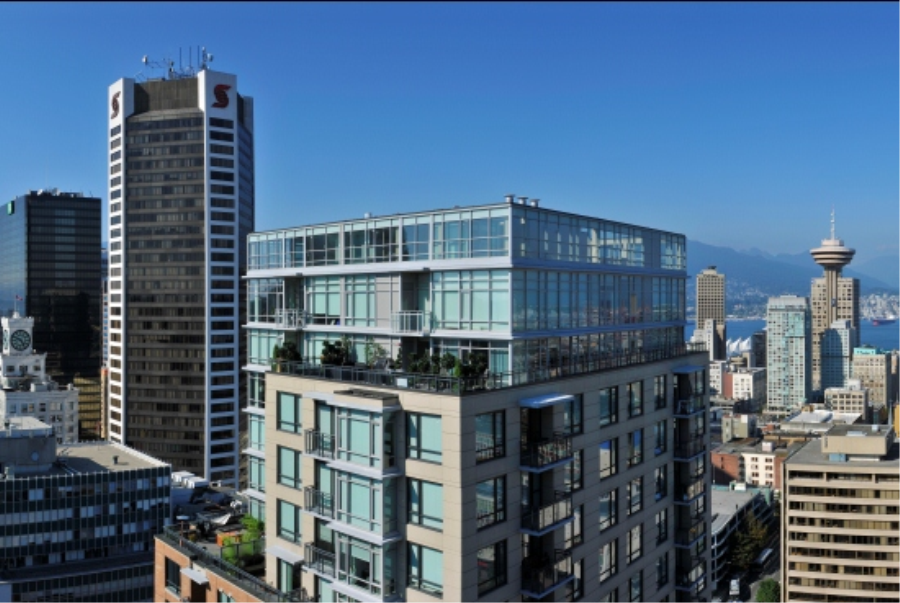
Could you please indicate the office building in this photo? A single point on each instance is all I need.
(104, 307)
(758, 349)
(438, 401)
(180, 207)
(833, 297)
(840, 519)
(837, 352)
(711, 307)
(77, 522)
(851, 399)
(51, 271)
(27, 390)
(788, 379)
(872, 367)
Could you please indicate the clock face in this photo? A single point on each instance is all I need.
(20, 340)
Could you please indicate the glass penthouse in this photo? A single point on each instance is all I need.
(447, 404)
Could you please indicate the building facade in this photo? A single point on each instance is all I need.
(841, 518)
(180, 206)
(77, 523)
(852, 399)
(833, 297)
(788, 378)
(438, 401)
(711, 306)
(872, 367)
(836, 353)
(51, 271)
(27, 390)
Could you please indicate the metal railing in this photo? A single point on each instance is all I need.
(319, 560)
(542, 576)
(687, 493)
(489, 381)
(319, 444)
(318, 502)
(545, 516)
(291, 318)
(232, 573)
(690, 406)
(546, 452)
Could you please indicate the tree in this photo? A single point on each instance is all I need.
(769, 591)
(749, 541)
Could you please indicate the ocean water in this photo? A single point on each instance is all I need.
(886, 337)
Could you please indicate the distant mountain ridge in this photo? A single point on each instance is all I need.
(782, 274)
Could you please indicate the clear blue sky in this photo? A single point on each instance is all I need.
(736, 124)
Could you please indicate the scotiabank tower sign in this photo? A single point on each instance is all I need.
(220, 92)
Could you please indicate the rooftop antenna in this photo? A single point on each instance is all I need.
(832, 222)
(203, 58)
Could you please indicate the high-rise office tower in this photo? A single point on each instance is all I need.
(181, 202)
(872, 367)
(787, 354)
(51, 271)
(833, 297)
(837, 350)
(439, 400)
(711, 306)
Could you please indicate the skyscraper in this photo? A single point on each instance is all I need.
(833, 297)
(711, 307)
(181, 202)
(787, 354)
(51, 272)
(836, 352)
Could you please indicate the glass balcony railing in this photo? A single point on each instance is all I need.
(544, 517)
(410, 321)
(686, 537)
(546, 452)
(540, 578)
(291, 318)
(690, 406)
(687, 493)
(684, 451)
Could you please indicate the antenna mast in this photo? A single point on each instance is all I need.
(171, 73)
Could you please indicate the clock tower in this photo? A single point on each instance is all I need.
(17, 331)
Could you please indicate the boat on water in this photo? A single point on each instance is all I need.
(884, 320)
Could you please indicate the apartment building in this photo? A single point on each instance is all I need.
(841, 517)
(483, 403)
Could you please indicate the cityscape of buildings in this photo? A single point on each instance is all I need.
(496, 401)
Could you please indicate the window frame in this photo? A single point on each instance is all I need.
(613, 401)
(495, 451)
(419, 517)
(499, 513)
(297, 425)
(283, 478)
(416, 579)
(419, 452)
(500, 575)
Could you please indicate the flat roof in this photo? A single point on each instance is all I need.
(725, 504)
(811, 454)
(92, 457)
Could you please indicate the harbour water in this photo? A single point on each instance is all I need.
(886, 337)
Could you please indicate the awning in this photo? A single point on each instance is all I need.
(195, 575)
(687, 369)
(284, 554)
(545, 400)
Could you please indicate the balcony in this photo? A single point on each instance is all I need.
(291, 318)
(319, 560)
(545, 454)
(691, 406)
(688, 450)
(694, 588)
(687, 537)
(410, 322)
(211, 561)
(318, 502)
(538, 522)
(319, 444)
(541, 578)
(687, 493)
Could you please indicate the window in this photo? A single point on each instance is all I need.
(289, 575)
(490, 436)
(426, 504)
(257, 473)
(573, 422)
(633, 544)
(609, 509)
(574, 530)
(288, 521)
(576, 587)
(636, 447)
(225, 597)
(426, 569)
(574, 478)
(660, 478)
(257, 429)
(635, 399)
(662, 570)
(608, 452)
(659, 437)
(609, 406)
(289, 413)
(173, 576)
(662, 526)
(424, 437)
(635, 587)
(491, 567)
(490, 501)
(610, 597)
(659, 391)
(289, 467)
(608, 556)
(634, 495)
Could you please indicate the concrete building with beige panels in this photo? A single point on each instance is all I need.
(445, 406)
(840, 521)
